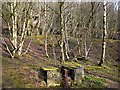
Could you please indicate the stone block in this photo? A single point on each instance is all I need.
(51, 76)
(79, 75)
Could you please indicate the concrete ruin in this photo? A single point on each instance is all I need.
(52, 76)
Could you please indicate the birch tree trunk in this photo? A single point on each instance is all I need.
(45, 16)
(53, 46)
(25, 28)
(17, 22)
(88, 34)
(78, 43)
(43, 32)
(104, 36)
(85, 46)
(14, 25)
(66, 39)
(62, 33)
(22, 38)
(46, 44)
(46, 37)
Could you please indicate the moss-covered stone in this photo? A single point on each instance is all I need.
(71, 64)
(75, 71)
(49, 68)
(50, 76)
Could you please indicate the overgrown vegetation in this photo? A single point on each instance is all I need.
(51, 35)
(21, 71)
(92, 81)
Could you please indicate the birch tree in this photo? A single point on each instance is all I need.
(62, 32)
(16, 23)
(26, 24)
(11, 21)
(104, 35)
(46, 36)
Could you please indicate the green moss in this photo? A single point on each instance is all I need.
(71, 64)
(91, 68)
(105, 71)
(28, 56)
(4, 59)
(12, 68)
(32, 66)
(38, 39)
(7, 81)
(118, 66)
(112, 41)
(12, 78)
(49, 68)
(17, 81)
(93, 81)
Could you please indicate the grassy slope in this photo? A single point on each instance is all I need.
(21, 71)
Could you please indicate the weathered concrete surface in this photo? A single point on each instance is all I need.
(53, 78)
(75, 71)
(79, 75)
(50, 76)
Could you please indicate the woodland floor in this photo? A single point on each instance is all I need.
(20, 72)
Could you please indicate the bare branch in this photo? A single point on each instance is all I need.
(68, 6)
(12, 56)
(28, 47)
(52, 9)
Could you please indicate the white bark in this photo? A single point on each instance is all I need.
(66, 49)
(85, 45)
(104, 35)
(25, 28)
(46, 44)
(22, 38)
(74, 31)
(78, 42)
(7, 47)
(46, 37)
(53, 47)
(62, 32)
(87, 48)
(45, 18)
(66, 39)
(14, 25)
(28, 24)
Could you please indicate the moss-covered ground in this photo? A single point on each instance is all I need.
(21, 72)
